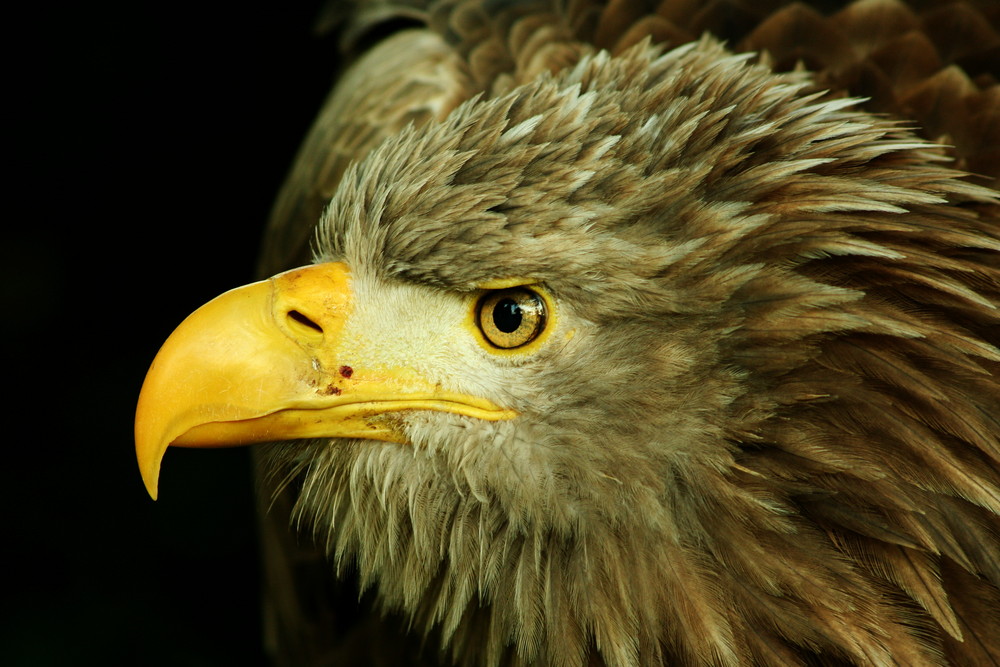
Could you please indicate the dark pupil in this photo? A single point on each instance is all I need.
(507, 315)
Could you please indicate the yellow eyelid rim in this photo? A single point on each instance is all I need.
(505, 283)
(551, 316)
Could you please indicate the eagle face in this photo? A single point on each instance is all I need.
(593, 368)
(549, 193)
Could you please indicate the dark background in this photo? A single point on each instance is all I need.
(146, 145)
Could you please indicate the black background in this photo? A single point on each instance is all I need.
(146, 144)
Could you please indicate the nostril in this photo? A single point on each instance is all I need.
(305, 321)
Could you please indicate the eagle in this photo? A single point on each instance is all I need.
(629, 333)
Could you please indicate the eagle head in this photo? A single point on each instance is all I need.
(658, 359)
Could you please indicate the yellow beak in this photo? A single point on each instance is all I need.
(262, 363)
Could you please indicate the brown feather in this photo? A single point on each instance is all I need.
(795, 302)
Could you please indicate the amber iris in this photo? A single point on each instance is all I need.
(512, 317)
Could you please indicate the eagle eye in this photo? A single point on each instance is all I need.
(511, 317)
